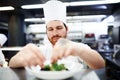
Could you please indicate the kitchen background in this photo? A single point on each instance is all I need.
(93, 22)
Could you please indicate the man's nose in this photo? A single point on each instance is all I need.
(55, 32)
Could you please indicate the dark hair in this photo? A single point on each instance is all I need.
(65, 25)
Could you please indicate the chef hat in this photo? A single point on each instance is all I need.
(3, 39)
(54, 10)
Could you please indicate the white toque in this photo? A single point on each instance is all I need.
(54, 10)
(3, 39)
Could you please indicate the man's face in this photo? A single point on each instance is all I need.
(55, 29)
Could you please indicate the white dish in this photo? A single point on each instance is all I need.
(73, 68)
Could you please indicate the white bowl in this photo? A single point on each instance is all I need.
(72, 67)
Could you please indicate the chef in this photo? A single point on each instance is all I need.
(59, 47)
(3, 39)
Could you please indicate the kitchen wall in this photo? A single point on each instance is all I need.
(78, 28)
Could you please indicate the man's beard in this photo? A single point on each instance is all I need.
(55, 38)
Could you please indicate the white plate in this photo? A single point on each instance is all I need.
(72, 66)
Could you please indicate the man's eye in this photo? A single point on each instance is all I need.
(50, 29)
(59, 27)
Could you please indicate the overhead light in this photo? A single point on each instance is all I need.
(84, 3)
(35, 6)
(34, 19)
(85, 17)
(101, 7)
(78, 3)
(6, 8)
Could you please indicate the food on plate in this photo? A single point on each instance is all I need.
(54, 67)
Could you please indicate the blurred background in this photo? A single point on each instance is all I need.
(93, 22)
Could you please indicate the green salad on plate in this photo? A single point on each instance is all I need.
(54, 67)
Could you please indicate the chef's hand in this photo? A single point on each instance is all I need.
(63, 48)
(29, 55)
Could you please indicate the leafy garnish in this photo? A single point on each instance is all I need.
(54, 67)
